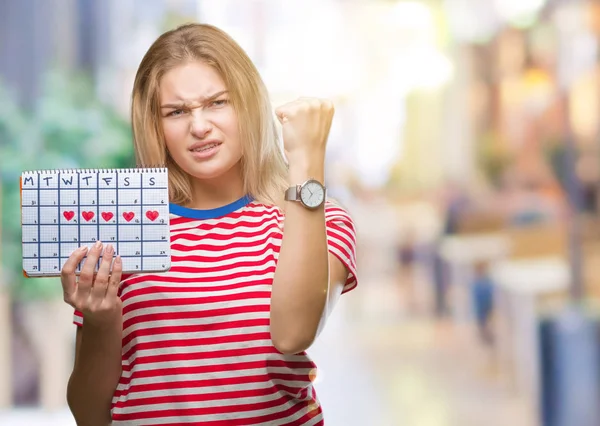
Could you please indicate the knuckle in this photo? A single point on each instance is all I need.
(85, 276)
(101, 280)
(67, 299)
(81, 307)
(90, 260)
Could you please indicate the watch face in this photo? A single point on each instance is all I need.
(312, 194)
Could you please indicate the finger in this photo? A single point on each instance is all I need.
(86, 277)
(282, 115)
(101, 281)
(327, 105)
(115, 278)
(67, 274)
(312, 103)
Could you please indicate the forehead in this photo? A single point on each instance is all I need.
(191, 80)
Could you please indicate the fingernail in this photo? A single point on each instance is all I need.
(118, 259)
(83, 248)
(98, 244)
(109, 249)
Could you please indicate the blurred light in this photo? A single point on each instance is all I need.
(421, 68)
(379, 120)
(292, 60)
(414, 61)
(519, 12)
(218, 13)
(471, 20)
(410, 14)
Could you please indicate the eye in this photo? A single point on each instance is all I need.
(175, 113)
(219, 103)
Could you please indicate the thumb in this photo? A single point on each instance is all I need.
(281, 115)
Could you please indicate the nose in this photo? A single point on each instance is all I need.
(200, 126)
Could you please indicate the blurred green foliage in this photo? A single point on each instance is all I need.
(67, 128)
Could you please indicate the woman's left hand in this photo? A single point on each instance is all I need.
(305, 123)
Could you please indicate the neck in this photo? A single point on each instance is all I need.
(217, 192)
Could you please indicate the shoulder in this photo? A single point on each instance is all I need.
(335, 210)
(257, 209)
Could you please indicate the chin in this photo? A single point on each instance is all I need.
(209, 171)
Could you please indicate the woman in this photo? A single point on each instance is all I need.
(219, 339)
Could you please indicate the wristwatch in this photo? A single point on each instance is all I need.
(311, 194)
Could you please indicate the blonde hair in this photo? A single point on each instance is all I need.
(263, 166)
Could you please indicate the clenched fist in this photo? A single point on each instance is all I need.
(305, 123)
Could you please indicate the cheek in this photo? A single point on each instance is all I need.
(174, 133)
(230, 126)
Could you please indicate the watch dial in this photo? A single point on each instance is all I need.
(312, 194)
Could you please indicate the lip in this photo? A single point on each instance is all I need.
(207, 153)
(202, 144)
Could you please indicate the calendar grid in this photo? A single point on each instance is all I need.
(79, 222)
(78, 210)
(92, 242)
(142, 223)
(117, 204)
(98, 207)
(63, 210)
(60, 256)
(39, 237)
(133, 187)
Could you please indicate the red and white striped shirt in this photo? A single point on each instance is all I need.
(196, 340)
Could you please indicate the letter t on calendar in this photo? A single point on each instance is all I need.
(65, 209)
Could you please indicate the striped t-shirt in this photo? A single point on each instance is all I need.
(196, 340)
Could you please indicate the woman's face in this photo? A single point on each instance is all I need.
(199, 123)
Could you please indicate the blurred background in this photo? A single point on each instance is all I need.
(466, 145)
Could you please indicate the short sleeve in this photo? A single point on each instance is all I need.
(78, 316)
(341, 241)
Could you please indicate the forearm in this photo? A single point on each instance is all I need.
(301, 280)
(95, 375)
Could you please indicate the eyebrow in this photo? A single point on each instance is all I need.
(202, 99)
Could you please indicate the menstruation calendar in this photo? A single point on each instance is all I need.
(65, 209)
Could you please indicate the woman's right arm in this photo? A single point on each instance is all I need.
(97, 366)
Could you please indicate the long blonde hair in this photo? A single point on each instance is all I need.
(263, 166)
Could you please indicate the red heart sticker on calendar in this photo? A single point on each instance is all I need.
(128, 216)
(152, 215)
(87, 216)
(107, 216)
(69, 215)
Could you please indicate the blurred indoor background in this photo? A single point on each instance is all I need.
(466, 144)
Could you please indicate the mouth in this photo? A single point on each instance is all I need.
(205, 150)
(204, 146)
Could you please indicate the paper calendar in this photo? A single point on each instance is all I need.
(65, 209)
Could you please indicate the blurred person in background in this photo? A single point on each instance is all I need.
(454, 204)
(407, 256)
(530, 199)
(221, 337)
(482, 294)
